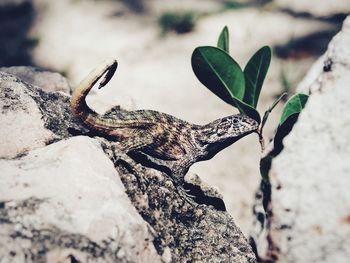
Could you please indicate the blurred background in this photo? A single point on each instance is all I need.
(153, 41)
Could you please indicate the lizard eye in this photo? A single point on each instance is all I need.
(235, 121)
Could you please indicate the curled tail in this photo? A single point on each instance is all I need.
(102, 124)
(78, 104)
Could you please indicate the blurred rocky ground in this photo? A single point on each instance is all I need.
(73, 36)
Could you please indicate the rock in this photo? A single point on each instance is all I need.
(56, 205)
(324, 8)
(30, 117)
(48, 81)
(62, 200)
(193, 233)
(310, 201)
(311, 76)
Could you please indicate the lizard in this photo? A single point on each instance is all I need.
(172, 141)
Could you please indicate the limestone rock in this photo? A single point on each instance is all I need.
(193, 233)
(30, 118)
(48, 81)
(310, 199)
(56, 205)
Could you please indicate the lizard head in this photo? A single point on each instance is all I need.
(223, 132)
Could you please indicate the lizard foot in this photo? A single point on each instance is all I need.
(186, 196)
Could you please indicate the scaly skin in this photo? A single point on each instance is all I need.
(166, 139)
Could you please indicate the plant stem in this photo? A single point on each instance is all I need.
(261, 140)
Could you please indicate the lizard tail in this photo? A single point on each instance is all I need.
(78, 104)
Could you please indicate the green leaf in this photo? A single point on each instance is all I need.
(223, 41)
(222, 75)
(219, 72)
(293, 106)
(267, 113)
(246, 109)
(255, 72)
(289, 117)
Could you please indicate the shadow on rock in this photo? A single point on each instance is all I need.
(312, 45)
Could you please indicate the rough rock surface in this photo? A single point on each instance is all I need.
(30, 118)
(48, 81)
(310, 199)
(61, 198)
(56, 205)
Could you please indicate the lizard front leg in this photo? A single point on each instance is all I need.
(135, 168)
(121, 150)
(181, 167)
(176, 172)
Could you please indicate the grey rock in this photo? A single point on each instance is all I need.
(31, 118)
(46, 80)
(310, 198)
(57, 206)
(62, 198)
(201, 233)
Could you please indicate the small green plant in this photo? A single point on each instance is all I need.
(222, 75)
(180, 22)
(289, 116)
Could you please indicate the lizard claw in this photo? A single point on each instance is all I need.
(186, 196)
